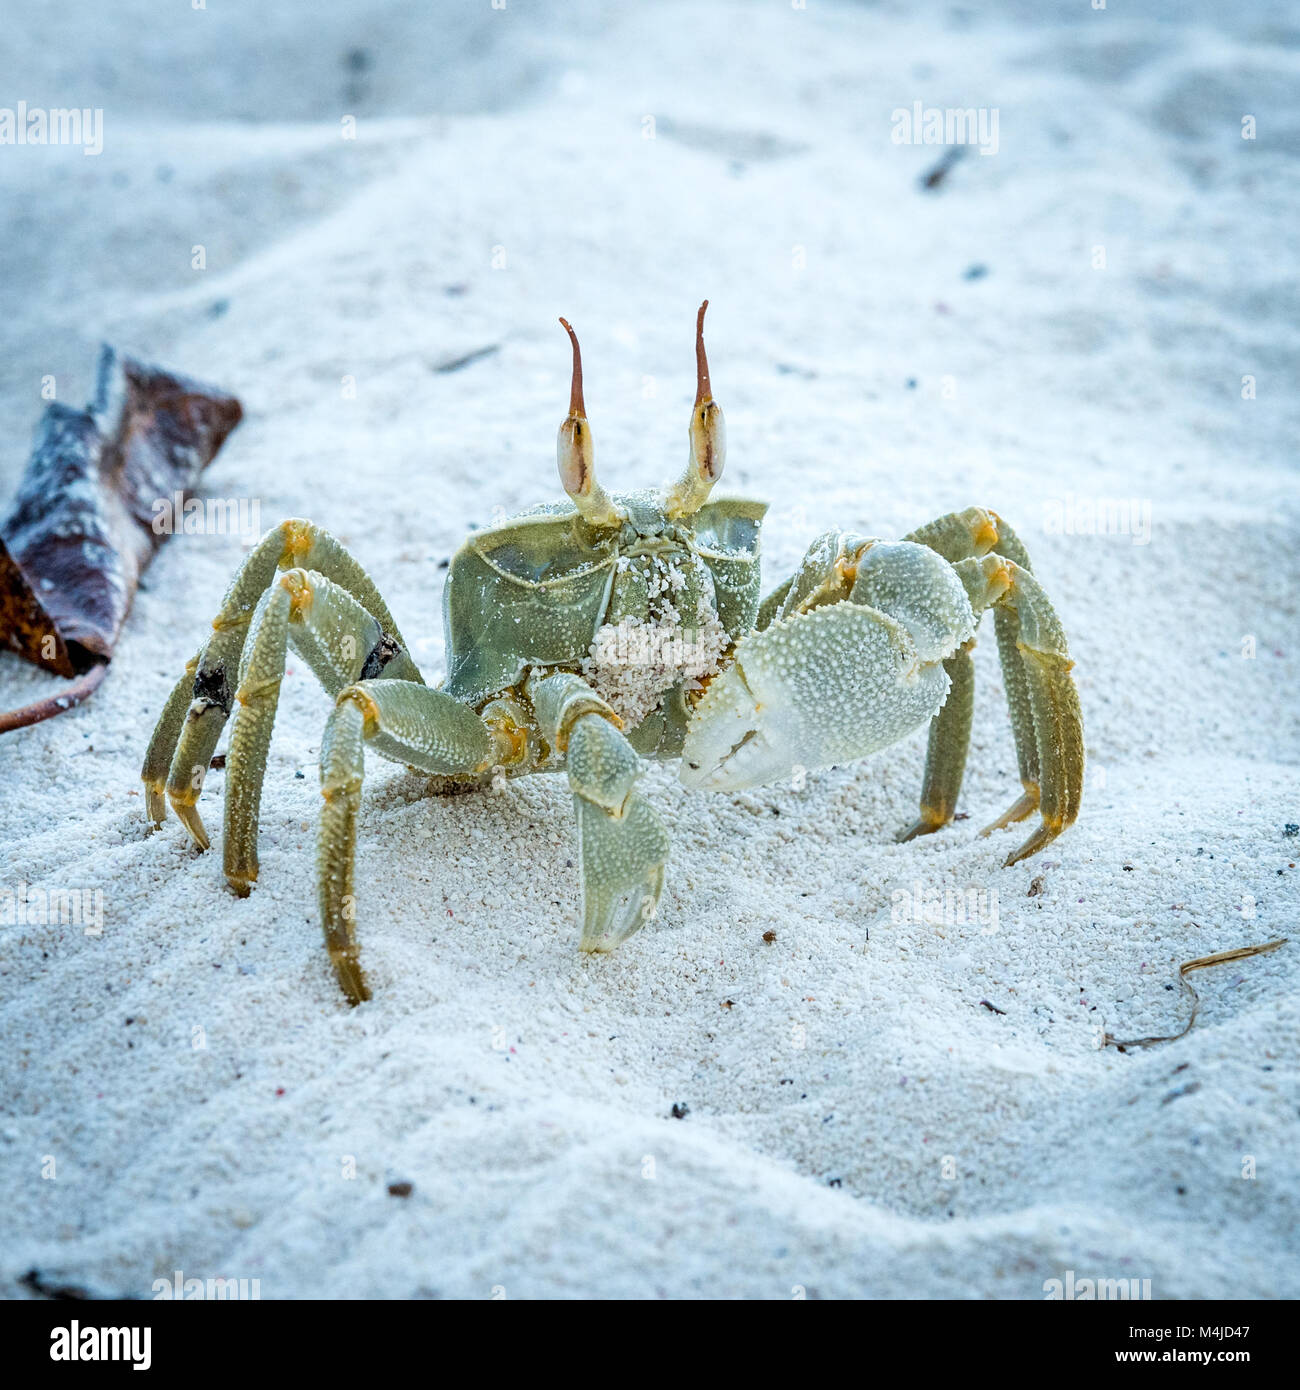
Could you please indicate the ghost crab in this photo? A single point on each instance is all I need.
(589, 634)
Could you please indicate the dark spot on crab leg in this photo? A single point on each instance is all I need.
(384, 651)
(212, 687)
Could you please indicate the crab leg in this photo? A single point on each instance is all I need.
(975, 533)
(200, 703)
(339, 641)
(621, 840)
(995, 581)
(405, 721)
(945, 759)
(164, 739)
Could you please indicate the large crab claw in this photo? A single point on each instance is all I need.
(823, 687)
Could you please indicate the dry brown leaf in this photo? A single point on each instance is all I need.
(81, 530)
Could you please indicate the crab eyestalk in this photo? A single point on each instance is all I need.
(708, 438)
(575, 454)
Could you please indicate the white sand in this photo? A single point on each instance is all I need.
(525, 1091)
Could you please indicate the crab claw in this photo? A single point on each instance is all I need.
(823, 687)
(622, 870)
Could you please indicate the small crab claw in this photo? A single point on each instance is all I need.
(708, 434)
(576, 454)
(622, 869)
(823, 687)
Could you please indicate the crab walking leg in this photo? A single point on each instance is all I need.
(970, 534)
(163, 741)
(184, 771)
(409, 723)
(342, 765)
(945, 759)
(181, 747)
(994, 581)
(622, 842)
(339, 640)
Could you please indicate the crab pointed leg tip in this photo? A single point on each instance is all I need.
(1042, 836)
(155, 804)
(351, 977)
(189, 817)
(605, 930)
(1020, 810)
(924, 826)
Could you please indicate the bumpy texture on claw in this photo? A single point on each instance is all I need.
(622, 870)
(824, 687)
(850, 659)
(621, 840)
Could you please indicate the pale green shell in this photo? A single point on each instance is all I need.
(533, 590)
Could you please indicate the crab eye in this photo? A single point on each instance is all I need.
(575, 454)
(575, 458)
(708, 435)
(708, 441)
(708, 429)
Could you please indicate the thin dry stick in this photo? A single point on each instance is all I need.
(68, 697)
(1221, 958)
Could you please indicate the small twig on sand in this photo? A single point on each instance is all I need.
(931, 180)
(1221, 958)
(69, 697)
